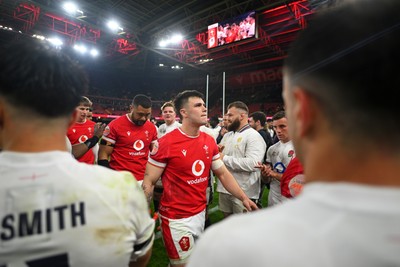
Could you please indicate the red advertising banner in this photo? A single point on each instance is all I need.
(256, 77)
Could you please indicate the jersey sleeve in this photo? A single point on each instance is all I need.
(215, 151)
(159, 154)
(110, 133)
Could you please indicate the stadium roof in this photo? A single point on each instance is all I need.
(131, 59)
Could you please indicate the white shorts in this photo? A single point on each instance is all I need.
(179, 236)
(230, 204)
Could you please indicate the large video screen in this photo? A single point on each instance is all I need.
(233, 30)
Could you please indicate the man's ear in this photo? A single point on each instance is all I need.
(304, 112)
(182, 111)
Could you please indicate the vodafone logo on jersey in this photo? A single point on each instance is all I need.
(198, 167)
(138, 145)
(83, 138)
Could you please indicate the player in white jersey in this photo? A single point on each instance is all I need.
(335, 83)
(278, 157)
(169, 117)
(55, 211)
(242, 148)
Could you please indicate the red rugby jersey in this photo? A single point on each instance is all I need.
(131, 144)
(186, 161)
(79, 132)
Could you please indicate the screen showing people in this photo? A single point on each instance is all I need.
(232, 30)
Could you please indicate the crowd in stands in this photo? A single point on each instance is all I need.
(256, 99)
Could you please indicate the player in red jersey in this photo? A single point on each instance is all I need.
(128, 139)
(82, 130)
(183, 159)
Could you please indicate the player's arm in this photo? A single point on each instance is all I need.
(151, 175)
(275, 175)
(105, 150)
(230, 184)
(78, 150)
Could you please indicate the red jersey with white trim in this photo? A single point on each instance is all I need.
(79, 133)
(131, 145)
(186, 161)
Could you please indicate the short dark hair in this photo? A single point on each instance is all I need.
(259, 116)
(279, 115)
(349, 63)
(39, 78)
(183, 97)
(141, 100)
(239, 105)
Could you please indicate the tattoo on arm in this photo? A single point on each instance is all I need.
(147, 193)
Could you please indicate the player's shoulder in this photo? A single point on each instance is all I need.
(150, 126)
(120, 120)
(170, 136)
(252, 132)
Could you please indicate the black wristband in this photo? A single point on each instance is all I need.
(103, 162)
(91, 142)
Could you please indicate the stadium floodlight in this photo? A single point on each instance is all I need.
(70, 7)
(94, 52)
(163, 43)
(80, 48)
(55, 41)
(176, 38)
(114, 26)
(40, 37)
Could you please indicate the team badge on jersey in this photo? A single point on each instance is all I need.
(198, 167)
(83, 138)
(290, 153)
(184, 243)
(155, 148)
(138, 145)
(206, 151)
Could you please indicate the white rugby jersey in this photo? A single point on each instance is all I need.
(243, 150)
(279, 155)
(55, 210)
